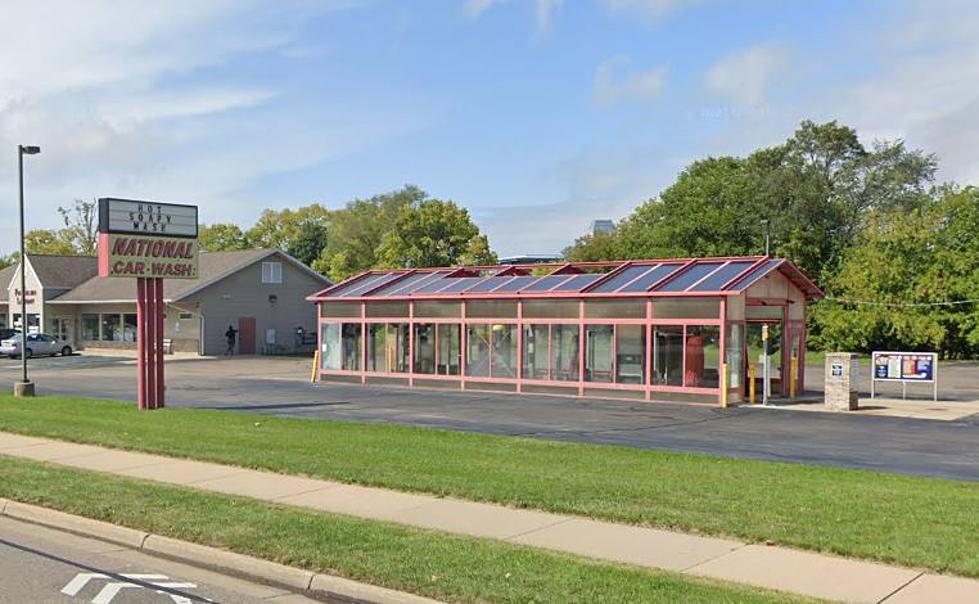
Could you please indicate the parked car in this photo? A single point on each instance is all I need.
(6, 333)
(37, 344)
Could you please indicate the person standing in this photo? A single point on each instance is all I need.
(232, 336)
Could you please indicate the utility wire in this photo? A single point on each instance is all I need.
(901, 304)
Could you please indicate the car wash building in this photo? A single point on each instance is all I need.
(260, 293)
(654, 330)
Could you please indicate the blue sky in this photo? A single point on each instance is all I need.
(537, 115)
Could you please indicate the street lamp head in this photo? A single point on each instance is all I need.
(30, 149)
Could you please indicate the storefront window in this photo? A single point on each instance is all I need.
(630, 354)
(424, 348)
(598, 353)
(450, 351)
(330, 346)
(564, 353)
(536, 352)
(478, 350)
(376, 357)
(397, 347)
(702, 356)
(111, 328)
(90, 327)
(735, 355)
(504, 351)
(667, 355)
(350, 341)
(129, 327)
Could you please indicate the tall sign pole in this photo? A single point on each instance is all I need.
(148, 241)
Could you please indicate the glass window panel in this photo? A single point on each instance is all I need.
(330, 346)
(340, 309)
(667, 355)
(598, 353)
(460, 283)
(450, 352)
(735, 355)
(703, 353)
(723, 275)
(657, 274)
(546, 283)
(397, 347)
(488, 284)
(491, 309)
(550, 309)
(111, 328)
(424, 348)
(345, 289)
(564, 353)
(438, 309)
(536, 346)
(630, 354)
(478, 350)
(406, 285)
(615, 309)
(754, 275)
(621, 279)
(129, 326)
(689, 277)
(377, 359)
(386, 309)
(90, 327)
(516, 284)
(763, 312)
(368, 284)
(504, 351)
(350, 341)
(686, 308)
(577, 283)
(434, 285)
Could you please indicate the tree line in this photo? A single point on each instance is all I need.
(896, 252)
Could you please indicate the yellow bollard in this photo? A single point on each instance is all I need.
(316, 365)
(793, 376)
(724, 385)
(751, 382)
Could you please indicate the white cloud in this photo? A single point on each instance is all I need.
(543, 10)
(651, 9)
(745, 76)
(615, 83)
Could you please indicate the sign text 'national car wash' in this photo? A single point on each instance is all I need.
(147, 239)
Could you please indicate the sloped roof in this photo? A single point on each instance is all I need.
(63, 272)
(6, 274)
(656, 278)
(213, 267)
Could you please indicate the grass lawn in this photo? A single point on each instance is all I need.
(424, 562)
(909, 520)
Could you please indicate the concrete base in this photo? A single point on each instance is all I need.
(23, 388)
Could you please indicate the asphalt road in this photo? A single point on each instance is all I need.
(280, 387)
(42, 565)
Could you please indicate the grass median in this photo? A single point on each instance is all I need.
(424, 562)
(907, 520)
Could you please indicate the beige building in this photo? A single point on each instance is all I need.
(261, 293)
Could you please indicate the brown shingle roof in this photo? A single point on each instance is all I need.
(63, 272)
(6, 274)
(213, 267)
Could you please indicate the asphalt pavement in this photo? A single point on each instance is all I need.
(42, 565)
(280, 386)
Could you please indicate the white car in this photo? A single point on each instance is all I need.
(37, 344)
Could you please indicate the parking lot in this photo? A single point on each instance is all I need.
(280, 386)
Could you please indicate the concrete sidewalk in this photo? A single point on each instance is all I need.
(785, 569)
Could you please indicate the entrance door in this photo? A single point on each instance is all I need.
(753, 343)
(246, 335)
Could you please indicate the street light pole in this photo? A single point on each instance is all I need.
(24, 387)
(768, 236)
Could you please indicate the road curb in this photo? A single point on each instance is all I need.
(203, 556)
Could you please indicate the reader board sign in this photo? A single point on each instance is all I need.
(905, 366)
(146, 239)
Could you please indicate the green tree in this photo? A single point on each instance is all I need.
(279, 228)
(48, 241)
(433, 233)
(221, 237)
(9, 259)
(906, 282)
(309, 243)
(357, 230)
(81, 227)
(594, 247)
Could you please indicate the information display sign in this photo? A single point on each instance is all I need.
(904, 368)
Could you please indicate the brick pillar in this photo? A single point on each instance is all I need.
(840, 381)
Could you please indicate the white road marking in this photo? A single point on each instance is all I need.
(112, 589)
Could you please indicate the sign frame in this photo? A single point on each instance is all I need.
(147, 239)
(156, 208)
(897, 360)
